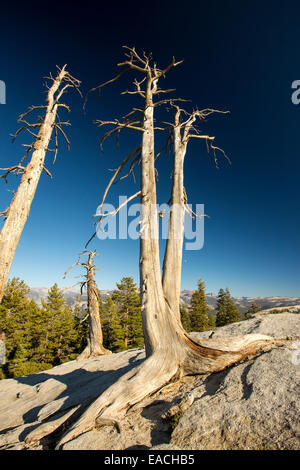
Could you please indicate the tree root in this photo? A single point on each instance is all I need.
(47, 428)
(194, 357)
(119, 397)
(86, 353)
(180, 407)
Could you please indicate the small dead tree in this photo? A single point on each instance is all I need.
(42, 130)
(94, 337)
(170, 352)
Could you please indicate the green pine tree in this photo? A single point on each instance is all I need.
(221, 309)
(227, 310)
(254, 308)
(58, 336)
(18, 318)
(81, 326)
(113, 335)
(211, 321)
(232, 311)
(127, 300)
(199, 309)
(36, 339)
(185, 318)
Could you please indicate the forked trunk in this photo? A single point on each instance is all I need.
(170, 351)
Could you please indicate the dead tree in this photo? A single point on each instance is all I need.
(42, 130)
(182, 131)
(94, 337)
(170, 352)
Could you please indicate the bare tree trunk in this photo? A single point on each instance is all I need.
(182, 132)
(152, 298)
(18, 211)
(95, 338)
(173, 252)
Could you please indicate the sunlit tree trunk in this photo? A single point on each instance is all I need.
(18, 211)
(94, 333)
(174, 245)
(95, 337)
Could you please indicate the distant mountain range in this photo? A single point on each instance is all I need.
(244, 302)
(72, 295)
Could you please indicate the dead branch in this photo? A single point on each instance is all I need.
(4, 213)
(98, 222)
(99, 87)
(12, 169)
(80, 263)
(71, 82)
(47, 172)
(117, 171)
(58, 126)
(143, 65)
(118, 208)
(193, 214)
(135, 162)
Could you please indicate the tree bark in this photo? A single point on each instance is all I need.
(152, 297)
(173, 252)
(19, 208)
(95, 337)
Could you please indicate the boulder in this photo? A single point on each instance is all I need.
(253, 405)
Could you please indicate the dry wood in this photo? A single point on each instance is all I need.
(17, 213)
(47, 428)
(94, 338)
(182, 132)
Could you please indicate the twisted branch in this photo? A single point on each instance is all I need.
(70, 82)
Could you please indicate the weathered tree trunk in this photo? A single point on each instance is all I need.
(95, 338)
(152, 298)
(18, 211)
(173, 252)
(170, 351)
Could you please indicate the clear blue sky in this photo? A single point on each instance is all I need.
(240, 56)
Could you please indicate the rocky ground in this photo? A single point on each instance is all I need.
(253, 405)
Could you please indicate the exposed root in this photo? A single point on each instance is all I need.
(156, 372)
(128, 390)
(100, 422)
(216, 354)
(86, 353)
(180, 407)
(47, 428)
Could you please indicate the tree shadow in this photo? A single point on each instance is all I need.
(138, 447)
(82, 388)
(247, 387)
(160, 433)
(214, 381)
